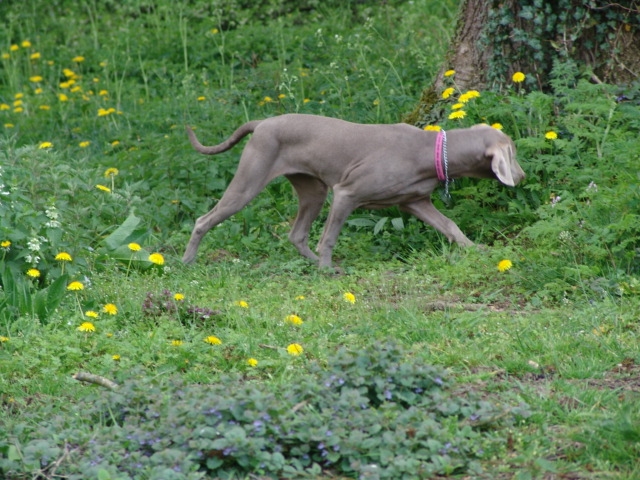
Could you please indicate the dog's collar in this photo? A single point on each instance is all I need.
(440, 160)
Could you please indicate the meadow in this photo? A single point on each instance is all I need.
(517, 359)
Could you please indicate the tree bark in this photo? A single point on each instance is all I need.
(494, 39)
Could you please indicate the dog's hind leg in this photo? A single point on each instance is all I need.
(311, 196)
(247, 183)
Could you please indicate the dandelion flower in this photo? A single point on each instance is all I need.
(35, 56)
(504, 265)
(214, 31)
(45, 145)
(252, 362)
(518, 77)
(134, 247)
(202, 98)
(33, 273)
(449, 73)
(35, 79)
(300, 297)
(91, 314)
(63, 257)
(115, 358)
(457, 115)
(75, 286)
(178, 297)
(267, 100)
(497, 126)
(14, 48)
(432, 128)
(156, 258)
(448, 92)
(26, 44)
(293, 319)
(242, 304)
(63, 98)
(103, 188)
(349, 297)
(6, 339)
(5, 244)
(110, 309)
(295, 349)
(551, 135)
(87, 327)
(211, 340)
(176, 343)
(4, 106)
(78, 59)
(84, 144)
(457, 106)
(111, 172)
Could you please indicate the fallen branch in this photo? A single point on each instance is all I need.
(96, 379)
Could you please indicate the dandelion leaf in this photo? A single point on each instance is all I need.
(126, 233)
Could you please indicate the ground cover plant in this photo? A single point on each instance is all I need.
(515, 360)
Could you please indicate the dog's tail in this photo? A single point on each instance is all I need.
(235, 137)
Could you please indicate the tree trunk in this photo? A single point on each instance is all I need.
(497, 38)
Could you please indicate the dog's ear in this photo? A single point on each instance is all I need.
(501, 155)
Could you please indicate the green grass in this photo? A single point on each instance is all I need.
(557, 332)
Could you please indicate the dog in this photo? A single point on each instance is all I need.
(366, 166)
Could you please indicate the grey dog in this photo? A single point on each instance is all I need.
(366, 166)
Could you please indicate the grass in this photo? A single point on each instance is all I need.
(558, 331)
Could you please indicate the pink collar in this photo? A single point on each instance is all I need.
(437, 158)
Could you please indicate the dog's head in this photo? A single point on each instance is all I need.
(501, 152)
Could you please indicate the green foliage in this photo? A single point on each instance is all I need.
(535, 34)
(375, 410)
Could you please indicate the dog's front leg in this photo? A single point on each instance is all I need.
(425, 211)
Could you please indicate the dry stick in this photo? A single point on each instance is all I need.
(97, 379)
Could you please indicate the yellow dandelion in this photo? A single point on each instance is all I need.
(78, 59)
(87, 327)
(252, 362)
(5, 56)
(44, 107)
(38, 91)
(156, 258)
(504, 265)
(293, 319)
(103, 188)
(134, 247)
(33, 273)
(242, 304)
(267, 99)
(300, 297)
(67, 72)
(518, 77)
(25, 44)
(551, 135)
(178, 297)
(6, 339)
(295, 349)
(457, 115)
(9, 125)
(35, 79)
(449, 73)
(109, 334)
(282, 96)
(349, 297)
(448, 92)
(63, 98)
(176, 343)
(115, 358)
(45, 145)
(91, 314)
(4, 106)
(35, 56)
(497, 126)
(5, 244)
(211, 340)
(14, 48)
(63, 257)
(214, 31)
(202, 98)
(110, 309)
(457, 106)
(432, 128)
(111, 172)
(84, 144)
(115, 143)
(75, 286)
